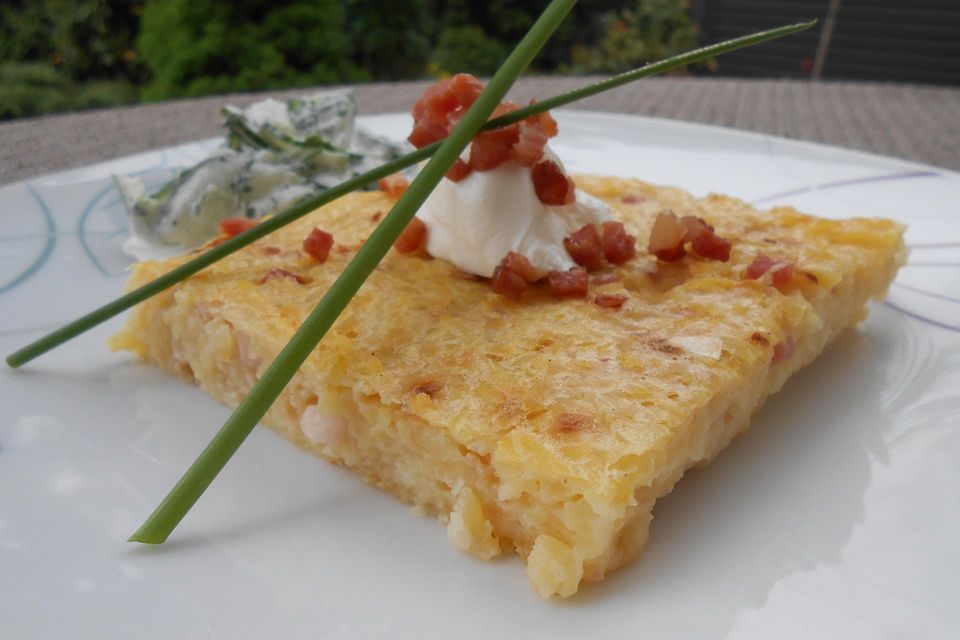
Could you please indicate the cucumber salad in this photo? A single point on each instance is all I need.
(275, 154)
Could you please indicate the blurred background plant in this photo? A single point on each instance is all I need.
(193, 48)
(58, 55)
(649, 30)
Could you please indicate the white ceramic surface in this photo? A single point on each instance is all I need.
(836, 516)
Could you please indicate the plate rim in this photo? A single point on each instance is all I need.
(583, 113)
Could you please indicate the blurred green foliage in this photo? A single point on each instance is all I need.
(506, 21)
(35, 87)
(60, 55)
(57, 55)
(462, 49)
(650, 30)
(391, 44)
(83, 39)
(194, 48)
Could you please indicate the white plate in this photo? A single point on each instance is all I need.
(835, 516)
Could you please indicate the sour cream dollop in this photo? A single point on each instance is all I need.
(474, 223)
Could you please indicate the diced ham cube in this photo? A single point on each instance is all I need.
(782, 276)
(318, 245)
(618, 245)
(411, 238)
(781, 271)
(760, 265)
(519, 264)
(568, 284)
(427, 131)
(436, 102)
(459, 171)
(529, 148)
(492, 148)
(545, 122)
(508, 283)
(236, 226)
(465, 88)
(712, 247)
(585, 247)
(552, 186)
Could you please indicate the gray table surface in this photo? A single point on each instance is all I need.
(914, 122)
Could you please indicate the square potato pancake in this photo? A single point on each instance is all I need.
(545, 426)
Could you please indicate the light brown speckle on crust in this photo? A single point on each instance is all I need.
(574, 423)
(430, 387)
(661, 345)
(759, 339)
(536, 413)
(283, 273)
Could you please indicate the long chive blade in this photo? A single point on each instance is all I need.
(128, 300)
(653, 68)
(189, 489)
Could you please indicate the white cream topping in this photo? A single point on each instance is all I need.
(474, 223)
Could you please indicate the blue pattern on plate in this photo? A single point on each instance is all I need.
(47, 251)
